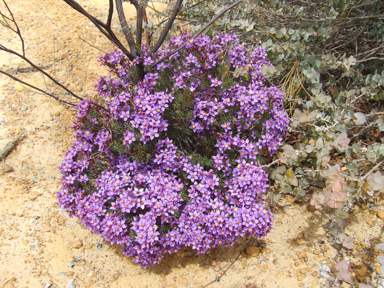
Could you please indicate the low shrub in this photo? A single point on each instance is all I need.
(173, 160)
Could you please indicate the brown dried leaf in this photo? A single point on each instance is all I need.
(337, 186)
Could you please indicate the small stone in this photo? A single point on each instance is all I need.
(380, 214)
(300, 278)
(300, 236)
(362, 271)
(71, 284)
(71, 264)
(303, 271)
(77, 244)
(378, 270)
(252, 251)
(76, 259)
(314, 274)
(57, 114)
(359, 248)
(316, 252)
(370, 223)
(4, 168)
(99, 245)
(296, 264)
(269, 251)
(311, 208)
(70, 273)
(299, 242)
(89, 283)
(88, 246)
(48, 285)
(302, 255)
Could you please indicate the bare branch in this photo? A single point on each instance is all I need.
(124, 26)
(5, 49)
(110, 13)
(38, 89)
(139, 24)
(17, 31)
(198, 33)
(167, 27)
(103, 28)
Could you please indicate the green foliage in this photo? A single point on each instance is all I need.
(328, 57)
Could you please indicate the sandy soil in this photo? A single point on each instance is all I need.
(42, 247)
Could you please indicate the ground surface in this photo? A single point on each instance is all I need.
(40, 244)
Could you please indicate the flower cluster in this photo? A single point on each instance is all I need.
(173, 160)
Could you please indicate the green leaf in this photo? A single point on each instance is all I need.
(359, 118)
(380, 124)
(341, 213)
(268, 70)
(291, 178)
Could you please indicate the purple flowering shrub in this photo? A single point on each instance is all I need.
(173, 160)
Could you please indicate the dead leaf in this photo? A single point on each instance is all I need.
(337, 186)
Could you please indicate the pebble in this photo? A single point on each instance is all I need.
(311, 208)
(362, 271)
(48, 285)
(71, 264)
(99, 245)
(299, 242)
(303, 271)
(4, 168)
(302, 255)
(88, 246)
(359, 248)
(300, 278)
(370, 223)
(77, 244)
(89, 283)
(71, 284)
(380, 214)
(252, 251)
(76, 259)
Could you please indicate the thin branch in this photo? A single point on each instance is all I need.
(92, 45)
(158, 24)
(18, 32)
(103, 28)
(370, 171)
(38, 89)
(110, 13)
(139, 24)
(39, 69)
(166, 28)
(125, 27)
(224, 272)
(198, 33)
